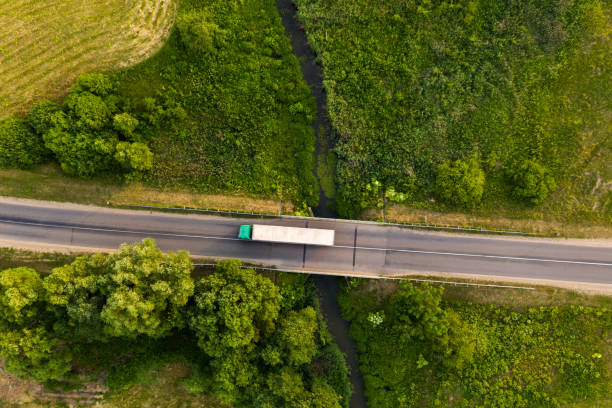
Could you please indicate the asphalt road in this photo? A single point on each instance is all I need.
(359, 248)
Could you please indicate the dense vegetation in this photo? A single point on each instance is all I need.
(222, 107)
(413, 86)
(231, 66)
(418, 350)
(250, 342)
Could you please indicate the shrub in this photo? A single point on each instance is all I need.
(197, 32)
(532, 181)
(19, 146)
(461, 183)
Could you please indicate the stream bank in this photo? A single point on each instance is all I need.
(313, 76)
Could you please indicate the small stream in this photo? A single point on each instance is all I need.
(327, 286)
(312, 74)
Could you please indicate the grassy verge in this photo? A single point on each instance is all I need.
(46, 44)
(516, 348)
(534, 222)
(48, 183)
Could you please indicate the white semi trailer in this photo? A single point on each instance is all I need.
(287, 235)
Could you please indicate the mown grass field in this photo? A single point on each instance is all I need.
(411, 85)
(46, 44)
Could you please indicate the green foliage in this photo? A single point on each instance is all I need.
(486, 355)
(21, 294)
(92, 132)
(411, 85)
(246, 110)
(34, 353)
(26, 346)
(297, 333)
(532, 182)
(20, 146)
(461, 183)
(198, 32)
(146, 290)
(125, 314)
(125, 124)
(233, 308)
(417, 313)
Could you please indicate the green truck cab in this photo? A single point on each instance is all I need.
(245, 232)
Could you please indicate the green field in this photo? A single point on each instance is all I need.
(46, 44)
(480, 347)
(413, 84)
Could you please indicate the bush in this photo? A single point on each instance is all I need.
(198, 32)
(461, 183)
(532, 181)
(20, 146)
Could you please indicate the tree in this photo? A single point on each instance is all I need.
(134, 157)
(44, 116)
(297, 335)
(75, 295)
(197, 32)
(532, 181)
(89, 110)
(417, 313)
(232, 309)
(145, 290)
(125, 124)
(462, 182)
(98, 84)
(20, 147)
(27, 348)
(34, 353)
(21, 296)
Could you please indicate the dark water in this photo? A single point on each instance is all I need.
(314, 78)
(327, 287)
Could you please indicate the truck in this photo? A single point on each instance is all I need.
(287, 235)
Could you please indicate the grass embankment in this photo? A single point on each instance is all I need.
(46, 44)
(48, 183)
(519, 348)
(413, 85)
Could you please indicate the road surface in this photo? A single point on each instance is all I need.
(359, 248)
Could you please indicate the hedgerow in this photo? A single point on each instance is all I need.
(417, 350)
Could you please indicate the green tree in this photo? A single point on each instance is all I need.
(21, 296)
(89, 110)
(532, 181)
(134, 157)
(197, 32)
(233, 308)
(44, 116)
(27, 348)
(146, 291)
(20, 146)
(98, 84)
(76, 295)
(297, 335)
(125, 124)
(34, 353)
(417, 313)
(461, 183)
